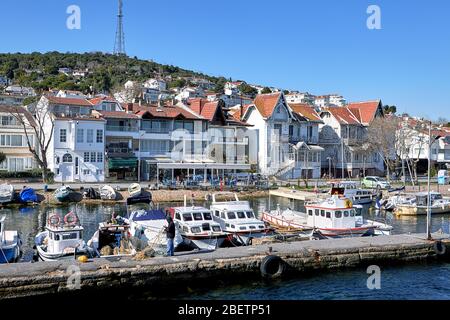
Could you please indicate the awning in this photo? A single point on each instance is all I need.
(122, 163)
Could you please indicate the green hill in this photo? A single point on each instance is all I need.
(106, 71)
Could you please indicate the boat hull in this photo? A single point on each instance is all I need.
(45, 256)
(402, 210)
(10, 253)
(204, 243)
(345, 233)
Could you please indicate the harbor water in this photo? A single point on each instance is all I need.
(422, 281)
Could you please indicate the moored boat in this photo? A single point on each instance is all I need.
(134, 190)
(107, 193)
(63, 193)
(197, 227)
(28, 195)
(418, 205)
(62, 239)
(350, 190)
(6, 193)
(10, 244)
(237, 218)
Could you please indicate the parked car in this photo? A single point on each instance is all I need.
(373, 182)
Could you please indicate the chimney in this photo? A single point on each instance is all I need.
(129, 108)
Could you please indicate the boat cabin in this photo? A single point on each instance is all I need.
(194, 220)
(422, 198)
(334, 213)
(64, 239)
(235, 215)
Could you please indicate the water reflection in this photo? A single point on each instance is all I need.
(31, 220)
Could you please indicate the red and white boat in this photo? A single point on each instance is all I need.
(335, 217)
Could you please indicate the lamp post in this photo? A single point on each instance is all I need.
(430, 142)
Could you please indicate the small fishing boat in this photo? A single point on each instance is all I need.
(90, 193)
(28, 195)
(63, 193)
(62, 239)
(148, 225)
(10, 244)
(112, 239)
(6, 193)
(135, 190)
(197, 227)
(237, 218)
(289, 220)
(418, 205)
(107, 193)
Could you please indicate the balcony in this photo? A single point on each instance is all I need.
(307, 140)
(122, 128)
(119, 152)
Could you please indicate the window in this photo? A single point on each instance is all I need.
(177, 216)
(328, 214)
(187, 217)
(93, 156)
(310, 212)
(231, 215)
(90, 136)
(217, 213)
(322, 213)
(99, 136)
(57, 171)
(241, 215)
(100, 157)
(207, 216)
(67, 157)
(316, 212)
(70, 236)
(197, 216)
(346, 214)
(99, 172)
(80, 135)
(14, 141)
(62, 135)
(338, 214)
(86, 172)
(86, 157)
(76, 165)
(250, 214)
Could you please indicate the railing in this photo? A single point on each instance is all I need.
(122, 128)
(156, 130)
(312, 140)
(119, 150)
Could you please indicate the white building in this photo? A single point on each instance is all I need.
(189, 93)
(156, 84)
(76, 149)
(19, 90)
(300, 97)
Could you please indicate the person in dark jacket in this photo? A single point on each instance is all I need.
(170, 234)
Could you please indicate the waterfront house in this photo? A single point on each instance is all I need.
(343, 135)
(284, 136)
(77, 143)
(14, 139)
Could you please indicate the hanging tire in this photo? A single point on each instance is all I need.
(272, 267)
(439, 248)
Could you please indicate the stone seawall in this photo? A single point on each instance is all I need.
(32, 279)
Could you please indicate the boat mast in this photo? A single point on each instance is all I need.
(429, 186)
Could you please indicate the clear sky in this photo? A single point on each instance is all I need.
(317, 46)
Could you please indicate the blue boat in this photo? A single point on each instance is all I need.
(10, 244)
(28, 195)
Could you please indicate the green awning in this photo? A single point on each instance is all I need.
(122, 163)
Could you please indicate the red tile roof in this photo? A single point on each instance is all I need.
(364, 111)
(237, 115)
(171, 112)
(97, 100)
(343, 115)
(69, 101)
(306, 111)
(204, 107)
(266, 103)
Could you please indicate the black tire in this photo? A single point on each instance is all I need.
(439, 248)
(272, 267)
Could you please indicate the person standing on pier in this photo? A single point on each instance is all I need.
(170, 234)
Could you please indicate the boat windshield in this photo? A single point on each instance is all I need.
(250, 214)
(231, 215)
(197, 216)
(241, 215)
(207, 216)
(187, 217)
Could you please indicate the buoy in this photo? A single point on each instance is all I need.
(83, 259)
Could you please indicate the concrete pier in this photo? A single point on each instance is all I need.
(36, 279)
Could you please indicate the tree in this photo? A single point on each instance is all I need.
(266, 90)
(2, 157)
(247, 90)
(389, 109)
(381, 139)
(41, 127)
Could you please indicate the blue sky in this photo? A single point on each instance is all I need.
(320, 46)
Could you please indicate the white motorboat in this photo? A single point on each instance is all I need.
(237, 218)
(197, 227)
(288, 220)
(350, 190)
(112, 239)
(10, 244)
(391, 203)
(6, 193)
(107, 193)
(134, 190)
(62, 239)
(148, 225)
(382, 228)
(418, 205)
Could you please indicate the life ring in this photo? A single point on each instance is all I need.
(54, 220)
(72, 221)
(439, 248)
(348, 203)
(272, 267)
